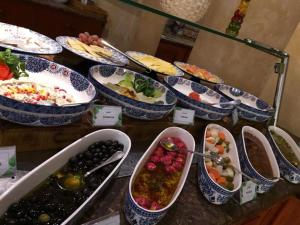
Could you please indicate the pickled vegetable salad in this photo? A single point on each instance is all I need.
(215, 141)
(136, 88)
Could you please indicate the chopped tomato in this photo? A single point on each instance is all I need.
(195, 96)
(221, 149)
(221, 135)
(212, 176)
(5, 72)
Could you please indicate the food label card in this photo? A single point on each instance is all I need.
(247, 192)
(8, 163)
(104, 115)
(183, 116)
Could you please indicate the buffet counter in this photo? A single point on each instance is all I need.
(190, 208)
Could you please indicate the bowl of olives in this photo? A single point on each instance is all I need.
(38, 199)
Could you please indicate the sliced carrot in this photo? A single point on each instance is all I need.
(213, 171)
(221, 135)
(222, 181)
(221, 149)
(212, 176)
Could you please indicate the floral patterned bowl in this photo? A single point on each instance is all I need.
(263, 183)
(47, 73)
(251, 108)
(211, 190)
(183, 87)
(102, 74)
(287, 170)
(134, 213)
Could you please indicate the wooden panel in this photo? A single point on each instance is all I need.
(171, 51)
(51, 20)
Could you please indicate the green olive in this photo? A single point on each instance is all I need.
(44, 218)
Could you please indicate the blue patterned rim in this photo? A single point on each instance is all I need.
(56, 48)
(179, 72)
(201, 89)
(108, 70)
(180, 66)
(36, 64)
(262, 108)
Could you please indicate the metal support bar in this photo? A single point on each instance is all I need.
(281, 69)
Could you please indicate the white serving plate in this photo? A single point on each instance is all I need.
(12, 32)
(117, 59)
(40, 173)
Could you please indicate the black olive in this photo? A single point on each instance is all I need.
(88, 155)
(120, 146)
(33, 213)
(20, 213)
(14, 208)
(89, 163)
(87, 192)
(22, 221)
(11, 221)
(80, 164)
(96, 160)
(108, 142)
(97, 150)
(80, 156)
(73, 160)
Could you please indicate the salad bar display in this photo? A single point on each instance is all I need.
(39, 92)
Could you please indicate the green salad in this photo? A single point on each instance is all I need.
(141, 89)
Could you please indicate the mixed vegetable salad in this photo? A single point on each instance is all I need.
(217, 143)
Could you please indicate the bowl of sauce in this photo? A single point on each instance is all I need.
(286, 152)
(257, 159)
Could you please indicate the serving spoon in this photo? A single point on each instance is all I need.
(234, 102)
(73, 182)
(172, 147)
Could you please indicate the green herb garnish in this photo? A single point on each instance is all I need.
(14, 63)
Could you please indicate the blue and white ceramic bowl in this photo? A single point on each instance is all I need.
(263, 183)
(101, 75)
(211, 190)
(183, 87)
(251, 108)
(134, 213)
(50, 74)
(20, 35)
(287, 170)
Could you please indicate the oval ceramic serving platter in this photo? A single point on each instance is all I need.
(251, 107)
(105, 76)
(25, 40)
(288, 170)
(183, 88)
(214, 79)
(48, 74)
(149, 59)
(134, 213)
(36, 176)
(116, 58)
(212, 191)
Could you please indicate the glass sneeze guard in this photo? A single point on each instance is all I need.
(280, 67)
